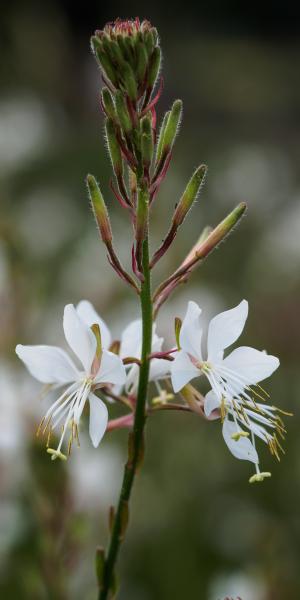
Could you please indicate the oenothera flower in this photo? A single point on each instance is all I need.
(99, 368)
(233, 379)
(130, 347)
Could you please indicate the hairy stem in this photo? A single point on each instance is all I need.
(135, 446)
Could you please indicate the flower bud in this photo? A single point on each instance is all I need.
(108, 103)
(99, 209)
(189, 195)
(154, 67)
(114, 148)
(171, 128)
(129, 56)
(122, 112)
(160, 140)
(129, 81)
(147, 144)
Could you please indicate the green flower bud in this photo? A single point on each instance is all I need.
(147, 144)
(172, 126)
(154, 67)
(142, 62)
(114, 148)
(122, 112)
(129, 81)
(99, 209)
(160, 140)
(107, 66)
(108, 103)
(189, 195)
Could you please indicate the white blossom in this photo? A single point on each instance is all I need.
(235, 391)
(98, 368)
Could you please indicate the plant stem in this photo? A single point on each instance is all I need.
(135, 446)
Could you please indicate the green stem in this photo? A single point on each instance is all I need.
(135, 446)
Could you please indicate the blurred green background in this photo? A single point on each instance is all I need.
(198, 530)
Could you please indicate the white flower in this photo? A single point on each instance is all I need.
(233, 380)
(52, 365)
(131, 346)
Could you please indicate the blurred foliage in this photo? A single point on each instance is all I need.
(198, 530)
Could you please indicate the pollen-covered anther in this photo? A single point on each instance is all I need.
(257, 477)
(56, 454)
(163, 398)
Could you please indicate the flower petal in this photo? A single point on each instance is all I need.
(98, 419)
(48, 364)
(212, 405)
(191, 331)
(111, 369)
(253, 365)
(182, 371)
(159, 369)
(79, 337)
(242, 448)
(131, 341)
(88, 314)
(224, 329)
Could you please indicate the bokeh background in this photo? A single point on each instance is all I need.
(198, 530)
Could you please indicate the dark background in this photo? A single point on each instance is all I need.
(198, 529)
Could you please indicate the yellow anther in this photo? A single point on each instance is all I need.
(56, 454)
(239, 434)
(259, 477)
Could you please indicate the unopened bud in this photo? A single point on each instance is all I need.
(123, 113)
(189, 196)
(107, 66)
(154, 67)
(221, 231)
(129, 81)
(171, 128)
(147, 144)
(142, 62)
(99, 209)
(114, 148)
(160, 140)
(108, 103)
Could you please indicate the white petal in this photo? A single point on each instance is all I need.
(48, 364)
(182, 371)
(251, 364)
(131, 341)
(242, 448)
(132, 380)
(111, 369)
(225, 328)
(88, 314)
(211, 404)
(98, 419)
(191, 331)
(159, 369)
(79, 337)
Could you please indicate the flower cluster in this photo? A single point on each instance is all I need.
(109, 371)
